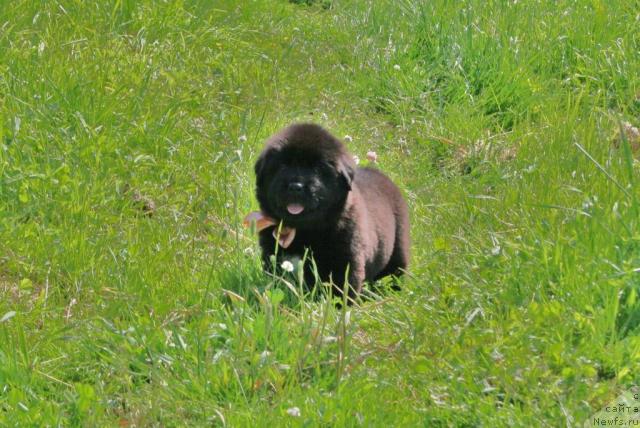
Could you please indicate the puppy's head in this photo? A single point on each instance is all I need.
(303, 175)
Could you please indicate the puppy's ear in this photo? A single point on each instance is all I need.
(347, 170)
(261, 164)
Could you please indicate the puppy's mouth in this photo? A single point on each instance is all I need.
(295, 209)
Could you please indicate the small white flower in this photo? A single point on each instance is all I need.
(372, 156)
(287, 266)
(293, 411)
(396, 67)
(587, 204)
(242, 138)
(356, 159)
(348, 138)
(329, 339)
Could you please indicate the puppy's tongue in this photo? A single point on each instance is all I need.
(295, 209)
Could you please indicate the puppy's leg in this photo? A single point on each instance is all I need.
(354, 274)
(397, 264)
(356, 279)
(268, 247)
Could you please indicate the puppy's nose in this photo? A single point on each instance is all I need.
(296, 187)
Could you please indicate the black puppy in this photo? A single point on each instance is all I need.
(353, 221)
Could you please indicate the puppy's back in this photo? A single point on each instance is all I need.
(378, 189)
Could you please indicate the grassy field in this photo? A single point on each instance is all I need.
(130, 294)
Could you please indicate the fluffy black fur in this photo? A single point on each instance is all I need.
(353, 218)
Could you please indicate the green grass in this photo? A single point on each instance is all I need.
(495, 118)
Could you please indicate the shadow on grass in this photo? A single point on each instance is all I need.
(250, 283)
(325, 4)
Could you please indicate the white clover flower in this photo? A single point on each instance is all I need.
(293, 411)
(287, 266)
(396, 67)
(356, 159)
(348, 138)
(372, 156)
(242, 138)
